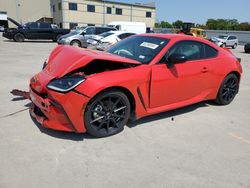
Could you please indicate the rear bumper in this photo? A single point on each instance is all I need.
(247, 48)
(64, 114)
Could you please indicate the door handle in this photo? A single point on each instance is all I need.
(204, 70)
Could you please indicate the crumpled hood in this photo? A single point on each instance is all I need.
(65, 59)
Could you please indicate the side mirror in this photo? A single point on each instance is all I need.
(176, 58)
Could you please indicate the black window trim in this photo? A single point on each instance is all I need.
(72, 3)
(89, 8)
(150, 13)
(108, 8)
(117, 10)
(177, 42)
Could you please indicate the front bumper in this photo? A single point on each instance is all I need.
(64, 112)
(7, 35)
(63, 41)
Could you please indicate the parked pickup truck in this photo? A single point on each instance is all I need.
(34, 30)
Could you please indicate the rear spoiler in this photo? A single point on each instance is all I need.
(238, 59)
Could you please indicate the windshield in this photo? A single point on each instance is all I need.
(222, 37)
(77, 31)
(106, 34)
(139, 48)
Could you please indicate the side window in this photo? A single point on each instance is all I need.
(34, 25)
(44, 26)
(191, 49)
(122, 36)
(210, 52)
(232, 38)
(90, 31)
(118, 27)
(99, 30)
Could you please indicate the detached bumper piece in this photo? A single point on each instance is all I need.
(49, 113)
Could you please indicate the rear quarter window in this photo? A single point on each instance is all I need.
(210, 52)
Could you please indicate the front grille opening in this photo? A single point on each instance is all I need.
(38, 112)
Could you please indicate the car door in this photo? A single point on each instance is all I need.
(45, 31)
(32, 30)
(187, 81)
(230, 41)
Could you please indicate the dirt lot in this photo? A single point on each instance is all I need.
(204, 145)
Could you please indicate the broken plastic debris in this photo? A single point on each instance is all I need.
(20, 93)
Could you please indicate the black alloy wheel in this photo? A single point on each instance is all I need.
(18, 37)
(107, 113)
(228, 90)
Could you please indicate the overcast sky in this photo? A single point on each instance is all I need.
(199, 11)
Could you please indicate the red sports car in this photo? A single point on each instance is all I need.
(98, 92)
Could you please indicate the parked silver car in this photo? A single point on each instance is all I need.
(225, 41)
(78, 37)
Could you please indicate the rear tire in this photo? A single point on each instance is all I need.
(234, 46)
(57, 37)
(18, 37)
(107, 113)
(228, 90)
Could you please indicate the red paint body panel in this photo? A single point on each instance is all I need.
(154, 87)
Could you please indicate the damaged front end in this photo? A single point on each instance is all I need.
(56, 101)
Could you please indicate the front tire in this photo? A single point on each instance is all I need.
(18, 37)
(223, 45)
(107, 113)
(75, 43)
(228, 90)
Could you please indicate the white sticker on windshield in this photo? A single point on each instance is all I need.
(141, 56)
(149, 45)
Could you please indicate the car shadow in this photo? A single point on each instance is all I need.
(170, 114)
(80, 136)
(60, 134)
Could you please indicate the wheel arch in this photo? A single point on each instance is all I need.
(77, 40)
(124, 90)
(20, 32)
(236, 73)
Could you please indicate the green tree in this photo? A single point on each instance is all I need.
(165, 24)
(244, 26)
(177, 24)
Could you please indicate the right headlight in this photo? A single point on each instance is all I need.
(66, 83)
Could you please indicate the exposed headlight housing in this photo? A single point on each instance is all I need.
(66, 83)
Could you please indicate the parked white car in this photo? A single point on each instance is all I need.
(225, 41)
(103, 41)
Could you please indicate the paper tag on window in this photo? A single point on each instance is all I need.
(149, 45)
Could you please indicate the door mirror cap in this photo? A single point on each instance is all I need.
(177, 58)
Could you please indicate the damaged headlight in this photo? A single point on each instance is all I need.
(66, 83)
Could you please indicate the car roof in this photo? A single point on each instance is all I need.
(172, 36)
(180, 37)
(118, 32)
